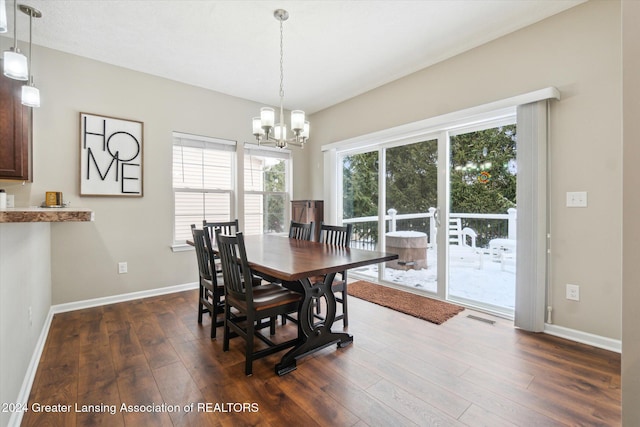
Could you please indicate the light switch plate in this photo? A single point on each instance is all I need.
(576, 199)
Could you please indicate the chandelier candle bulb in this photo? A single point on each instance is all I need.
(257, 126)
(268, 118)
(297, 120)
(280, 131)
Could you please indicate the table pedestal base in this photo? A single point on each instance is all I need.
(314, 336)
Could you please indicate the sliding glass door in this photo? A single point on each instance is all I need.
(445, 202)
(410, 200)
(482, 216)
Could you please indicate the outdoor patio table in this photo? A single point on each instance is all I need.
(496, 246)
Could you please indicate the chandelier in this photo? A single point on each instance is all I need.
(265, 129)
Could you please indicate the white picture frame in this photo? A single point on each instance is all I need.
(111, 156)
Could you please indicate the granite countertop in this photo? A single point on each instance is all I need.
(37, 214)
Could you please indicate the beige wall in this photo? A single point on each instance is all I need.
(579, 52)
(138, 230)
(631, 213)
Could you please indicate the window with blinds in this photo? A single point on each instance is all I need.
(267, 187)
(203, 182)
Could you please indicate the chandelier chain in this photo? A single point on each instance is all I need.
(281, 64)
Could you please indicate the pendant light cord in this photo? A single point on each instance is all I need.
(30, 42)
(15, 27)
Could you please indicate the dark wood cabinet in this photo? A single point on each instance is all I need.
(306, 211)
(15, 126)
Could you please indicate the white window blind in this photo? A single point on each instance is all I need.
(203, 182)
(266, 189)
(532, 226)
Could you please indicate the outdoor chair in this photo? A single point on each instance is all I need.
(252, 304)
(462, 243)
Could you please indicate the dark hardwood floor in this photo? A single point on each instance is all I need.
(399, 371)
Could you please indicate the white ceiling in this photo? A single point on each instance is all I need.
(334, 50)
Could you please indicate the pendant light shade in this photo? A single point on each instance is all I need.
(15, 65)
(3, 16)
(30, 96)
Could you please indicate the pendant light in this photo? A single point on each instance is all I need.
(30, 93)
(265, 129)
(15, 63)
(3, 16)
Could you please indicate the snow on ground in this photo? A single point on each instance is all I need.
(490, 284)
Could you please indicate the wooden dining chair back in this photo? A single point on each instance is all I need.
(337, 235)
(252, 304)
(301, 231)
(211, 293)
(225, 227)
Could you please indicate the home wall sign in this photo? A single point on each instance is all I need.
(110, 156)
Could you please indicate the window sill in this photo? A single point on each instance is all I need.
(182, 247)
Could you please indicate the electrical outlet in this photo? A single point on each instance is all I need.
(573, 292)
(122, 267)
(576, 199)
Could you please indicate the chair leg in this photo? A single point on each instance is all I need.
(225, 344)
(345, 313)
(214, 318)
(248, 364)
(200, 297)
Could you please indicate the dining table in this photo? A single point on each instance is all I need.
(298, 264)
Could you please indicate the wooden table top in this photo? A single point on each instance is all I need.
(291, 259)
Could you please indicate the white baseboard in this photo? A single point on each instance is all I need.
(584, 337)
(96, 302)
(27, 383)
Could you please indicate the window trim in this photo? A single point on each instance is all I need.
(276, 153)
(205, 143)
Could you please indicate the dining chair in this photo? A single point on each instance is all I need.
(252, 304)
(301, 231)
(337, 235)
(227, 227)
(211, 294)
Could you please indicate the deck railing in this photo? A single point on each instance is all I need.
(487, 226)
